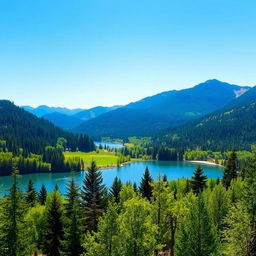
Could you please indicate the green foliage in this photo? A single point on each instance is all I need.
(237, 236)
(42, 195)
(198, 181)
(13, 237)
(93, 195)
(116, 189)
(145, 185)
(54, 227)
(231, 169)
(137, 231)
(196, 236)
(31, 195)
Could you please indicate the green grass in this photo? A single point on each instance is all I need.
(103, 159)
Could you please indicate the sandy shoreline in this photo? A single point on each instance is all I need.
(204, 162)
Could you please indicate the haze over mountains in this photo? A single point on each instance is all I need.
(67, 118)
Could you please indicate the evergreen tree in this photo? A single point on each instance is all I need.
(231, 169)
(13, 237)
(116, 188)
(236, 235)
(72, 197)
(42, 195)
(198, 181)
(54, 227)
(93, 195)
(196, 236)
(31, 195)
(145, 185)
(72, 244)
(135, 188)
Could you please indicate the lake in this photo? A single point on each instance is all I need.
(109, 144)
(131, 172)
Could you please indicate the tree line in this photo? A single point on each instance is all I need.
(187, 217)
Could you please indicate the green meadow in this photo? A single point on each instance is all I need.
(102, 158)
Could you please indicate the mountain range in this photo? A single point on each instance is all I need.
(67, 118)
(168, 109)
(231, 127)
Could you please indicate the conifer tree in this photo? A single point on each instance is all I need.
(116, 188)
(72, 244)
(230, 170)
(198, 181)
(31, 195)
(93, 195)
(42, 195)
(72, 197)
(13, 237)
(54, 227)
(196, 236)
(145, 185)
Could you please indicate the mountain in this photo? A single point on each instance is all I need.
(152, 114)
(23, 130)
(64, 121)
(67, 118)
(233, 126)
(45, 110)
(94, 112)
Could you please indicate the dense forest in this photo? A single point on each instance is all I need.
(35, 145)
(25, 133)
(187, 217)
(226, 129)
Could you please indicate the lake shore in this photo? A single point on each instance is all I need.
(203, 162)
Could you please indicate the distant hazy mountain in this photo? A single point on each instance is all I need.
(64, 121)
(160, 111)
(67, 118)
(233, 126)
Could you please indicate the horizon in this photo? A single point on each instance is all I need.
(90, 53)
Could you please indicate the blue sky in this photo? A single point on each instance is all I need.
(84, 53)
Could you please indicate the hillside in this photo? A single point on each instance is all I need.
(66, 122)
(152, 114)
(66, 118)
(21, 129)
(234, 126)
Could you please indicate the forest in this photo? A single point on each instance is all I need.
(186, 217)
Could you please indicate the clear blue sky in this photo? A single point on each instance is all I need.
(84, 53)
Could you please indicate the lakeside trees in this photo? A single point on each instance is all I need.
(187, 217)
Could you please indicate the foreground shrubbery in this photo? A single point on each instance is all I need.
(196, 217)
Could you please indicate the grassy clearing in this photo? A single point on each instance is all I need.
(102, 158)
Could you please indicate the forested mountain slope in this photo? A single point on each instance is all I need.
(234, 126)
(22, 130)
(152, 114)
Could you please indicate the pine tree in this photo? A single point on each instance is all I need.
(72, 244)
(42, 195)
(196, 236)
(230, 170)
(13, 239)
(198, 181)
(31, 195)
(145, 185)
(54, 227)
(116, 188)
(93, 194)
(72, 197)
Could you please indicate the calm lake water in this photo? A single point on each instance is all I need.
(108, 144)
(130, 172)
